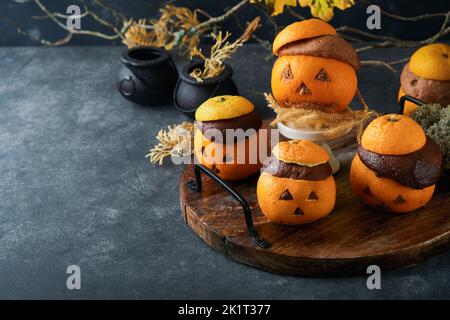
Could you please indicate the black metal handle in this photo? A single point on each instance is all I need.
(405, 98)
(197, 186)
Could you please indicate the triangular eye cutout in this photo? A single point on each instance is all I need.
(399, 200)
(312, 196)
(287, 73)
(215, 169)
(286, 195)
(367, 191)
(322, 75)
(303, 89)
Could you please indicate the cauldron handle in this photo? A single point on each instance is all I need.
(196, 185)
(176, 90)
(405, 98)
(213, 94)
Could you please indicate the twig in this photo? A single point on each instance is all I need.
(116, 13)
(206, 14)
(74, 31)
(264, 10)
(403, 18)
(295, 14)
(388, 65)
(392, 63)
(60, 42)
(100, 20)
(266, 45)
(394, 42)
(444, 30)
(378, 63)
(367, 34)
(206, 24)
(361, 99)
(349, 38)
(61, 15)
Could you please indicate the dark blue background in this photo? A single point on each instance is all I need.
(14, 15)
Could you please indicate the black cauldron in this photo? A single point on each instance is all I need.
(189, 94)
(148, 75)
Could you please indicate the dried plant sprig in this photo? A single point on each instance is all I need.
(186, 29)
(221, 50)
(176, 27)
(177, 140)
(138, 35)
(329, 122)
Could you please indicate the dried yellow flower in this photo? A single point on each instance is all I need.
(220, 51)
(177, 140)
(177, 27)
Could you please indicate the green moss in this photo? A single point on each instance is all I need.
(435, 121)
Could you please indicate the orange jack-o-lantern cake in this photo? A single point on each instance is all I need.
(315, 69)
(397, 166)
(296, 185)
(217, 115)
(427, 76)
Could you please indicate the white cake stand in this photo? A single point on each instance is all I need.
(317, 136)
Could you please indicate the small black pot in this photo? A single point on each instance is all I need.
(148, 75)
(190, 94)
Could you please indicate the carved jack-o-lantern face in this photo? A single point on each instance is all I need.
(228, 167)
(235, 157)
(396, 166)
(384, 193)
(296, 185)
(301, 78)
(291, 201)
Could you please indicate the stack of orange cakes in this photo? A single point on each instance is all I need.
(217, 115)
(296, 185)
(397, 166)
(427, 76)
(316, 69)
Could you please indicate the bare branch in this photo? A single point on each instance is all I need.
(60, 42)
(361, 99)
(74, 31)
(206, 14)
(226, 15)
(378, 63)
(263, 9)
(414, 18)
(395, 62)
(295, 14)
(343, 29)
(60, 15)
(116, 13)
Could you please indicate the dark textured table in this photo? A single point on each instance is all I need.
(76, 188)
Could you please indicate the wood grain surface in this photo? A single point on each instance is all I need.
(346, 242)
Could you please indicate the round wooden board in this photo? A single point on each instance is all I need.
(346, 242)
